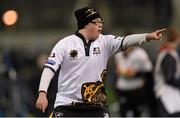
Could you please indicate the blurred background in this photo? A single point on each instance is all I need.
(30, 28)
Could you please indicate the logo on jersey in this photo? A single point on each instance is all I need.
(52, 55)
(93, 93)
(96, 50)
(51, 62)
(73, 54)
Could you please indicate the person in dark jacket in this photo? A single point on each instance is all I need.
(167, 76)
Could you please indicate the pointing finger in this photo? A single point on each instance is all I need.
(161, 31)
(43, 109)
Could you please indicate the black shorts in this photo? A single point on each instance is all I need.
(80, 111)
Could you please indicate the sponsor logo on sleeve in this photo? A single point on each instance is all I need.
(51, 62)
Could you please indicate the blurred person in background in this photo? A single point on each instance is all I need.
(83, 57)
(3, 87)
(11, 85)
(167, 76)
(132, 67)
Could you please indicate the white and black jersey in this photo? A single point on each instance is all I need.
(84, 62)
(167, 80)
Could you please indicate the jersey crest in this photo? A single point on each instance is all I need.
(96, 50)
(73, 54)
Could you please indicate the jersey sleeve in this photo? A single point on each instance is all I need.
(117, 43)
(56, 57)
(112, 44)
(131, 40)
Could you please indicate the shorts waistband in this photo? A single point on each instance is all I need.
(88, 104)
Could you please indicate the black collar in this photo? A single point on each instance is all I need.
(82, 37)
(86, 45)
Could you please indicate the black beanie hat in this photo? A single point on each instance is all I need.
(85, 15)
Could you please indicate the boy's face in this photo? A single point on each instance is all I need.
(95, 28)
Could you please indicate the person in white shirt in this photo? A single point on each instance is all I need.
(167, 76)
(132, 67)
(82, 57)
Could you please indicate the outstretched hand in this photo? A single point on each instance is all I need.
(156, 35)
